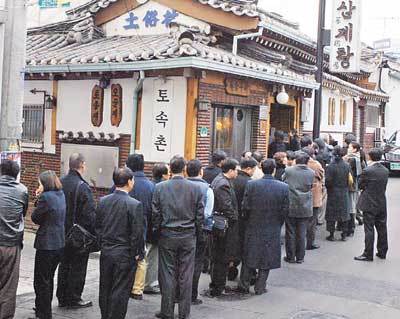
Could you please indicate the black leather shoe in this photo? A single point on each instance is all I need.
(136, 296)
(290, 261)
(299, 261)
(330, 238)
(261, 292)
(381, 256)
(197, 302)
(80, 304)
(241, 290)
(343, 237)
(61, 304)
(313, 247)
(161, 315)
(363, 258)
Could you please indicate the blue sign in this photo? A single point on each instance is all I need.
(45, 4)
(150, 19)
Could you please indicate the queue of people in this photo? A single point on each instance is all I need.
(157, 236)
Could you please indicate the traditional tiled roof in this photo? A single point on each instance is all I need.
(238, 7)
(332, 82)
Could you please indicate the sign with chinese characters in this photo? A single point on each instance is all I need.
(263, 112)
(151, 18)
(97, 105)
(45, 4)
(163, 97)
(116, 104)
(345, 50)
(237, 87)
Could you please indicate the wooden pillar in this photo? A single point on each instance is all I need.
(270, 100)
(191, 118)
(54, 114)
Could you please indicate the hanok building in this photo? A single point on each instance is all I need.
(160, 77)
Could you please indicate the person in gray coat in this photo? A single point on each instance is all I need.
(265, 206)
(300, 180)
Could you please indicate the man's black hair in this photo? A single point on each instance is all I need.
(217, 157)
(248, 163)
(350, 137)
(229, 164)
(305, 141)
(135, 162)
(339, 152)
(193, 168)
(268, 166)
(159, 170)
(258, 156)
(177, 164)
(356, 146)
(122, 176)
(291, 155)
(9, 168)
(375, 154)
(302, 158)
(279, 136)
(309, 151)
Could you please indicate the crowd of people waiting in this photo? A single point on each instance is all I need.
(158, 236)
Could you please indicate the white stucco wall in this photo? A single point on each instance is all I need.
(74, 107)
(30, 98)
(337, 128)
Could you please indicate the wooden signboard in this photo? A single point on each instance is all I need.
(116, 104)
(237, 87)
(97, 106)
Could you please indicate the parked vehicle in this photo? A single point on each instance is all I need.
(391, 150)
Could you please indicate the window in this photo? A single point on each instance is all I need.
(32, 128)
(372, 116)
(343, 112)
(331, 111)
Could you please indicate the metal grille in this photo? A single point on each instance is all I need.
(32, 128)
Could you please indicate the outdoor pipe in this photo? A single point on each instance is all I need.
(236, 38)
(138, 87)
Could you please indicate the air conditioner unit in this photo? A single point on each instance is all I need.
(379, 134)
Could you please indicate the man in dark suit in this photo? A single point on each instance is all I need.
(178, 215)
(119, 228)
(81, 210)
(265, 206)
(372, 203)
(300, 179)
(211, 171)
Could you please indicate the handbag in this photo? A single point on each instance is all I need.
(220, 224)
(78, 239)
(351, 183)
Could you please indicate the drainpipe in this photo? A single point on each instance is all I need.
(236, 38)
(138, 87)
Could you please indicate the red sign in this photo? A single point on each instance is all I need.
(116, 104)
(97, 106)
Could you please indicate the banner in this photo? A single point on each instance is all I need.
(345, 50)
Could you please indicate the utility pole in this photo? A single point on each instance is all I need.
(12, 62)
(323, 39)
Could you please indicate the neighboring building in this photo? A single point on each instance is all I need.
(162, 78)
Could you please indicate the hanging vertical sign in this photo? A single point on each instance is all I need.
(116, 104)
(345, 50)
(161, 121)
(97, 105)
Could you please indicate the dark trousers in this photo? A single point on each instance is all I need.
(219, 263)
(198, 265)
(71, 277)
(295, 238)
(116, 279)
(9, 275)
(46, 262)
(175, 270)
(331, 226)
(246, 274)
(208, 252)
(377, 220)
(351, 224)
(312, 227)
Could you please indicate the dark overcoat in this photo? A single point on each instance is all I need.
(265, 206)
(337, 185)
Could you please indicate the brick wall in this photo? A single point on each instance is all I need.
(217, 95)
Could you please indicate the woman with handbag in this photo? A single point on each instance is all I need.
(49, 214)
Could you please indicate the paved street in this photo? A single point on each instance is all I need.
(329, 285)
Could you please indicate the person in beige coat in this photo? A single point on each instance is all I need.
(317, 193)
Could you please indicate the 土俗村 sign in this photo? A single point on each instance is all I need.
(345, 49)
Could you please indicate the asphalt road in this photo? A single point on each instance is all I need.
(329, 285)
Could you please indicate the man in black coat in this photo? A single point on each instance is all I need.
(80, 210)
(178, 215)
(247, 169)
(372, 203)
(265, 206)
(300, 179)
(225, 245)
(211, 171)
(119, 228)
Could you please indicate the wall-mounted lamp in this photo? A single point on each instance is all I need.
(282, 97)
(104, 82)
(49, 101)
